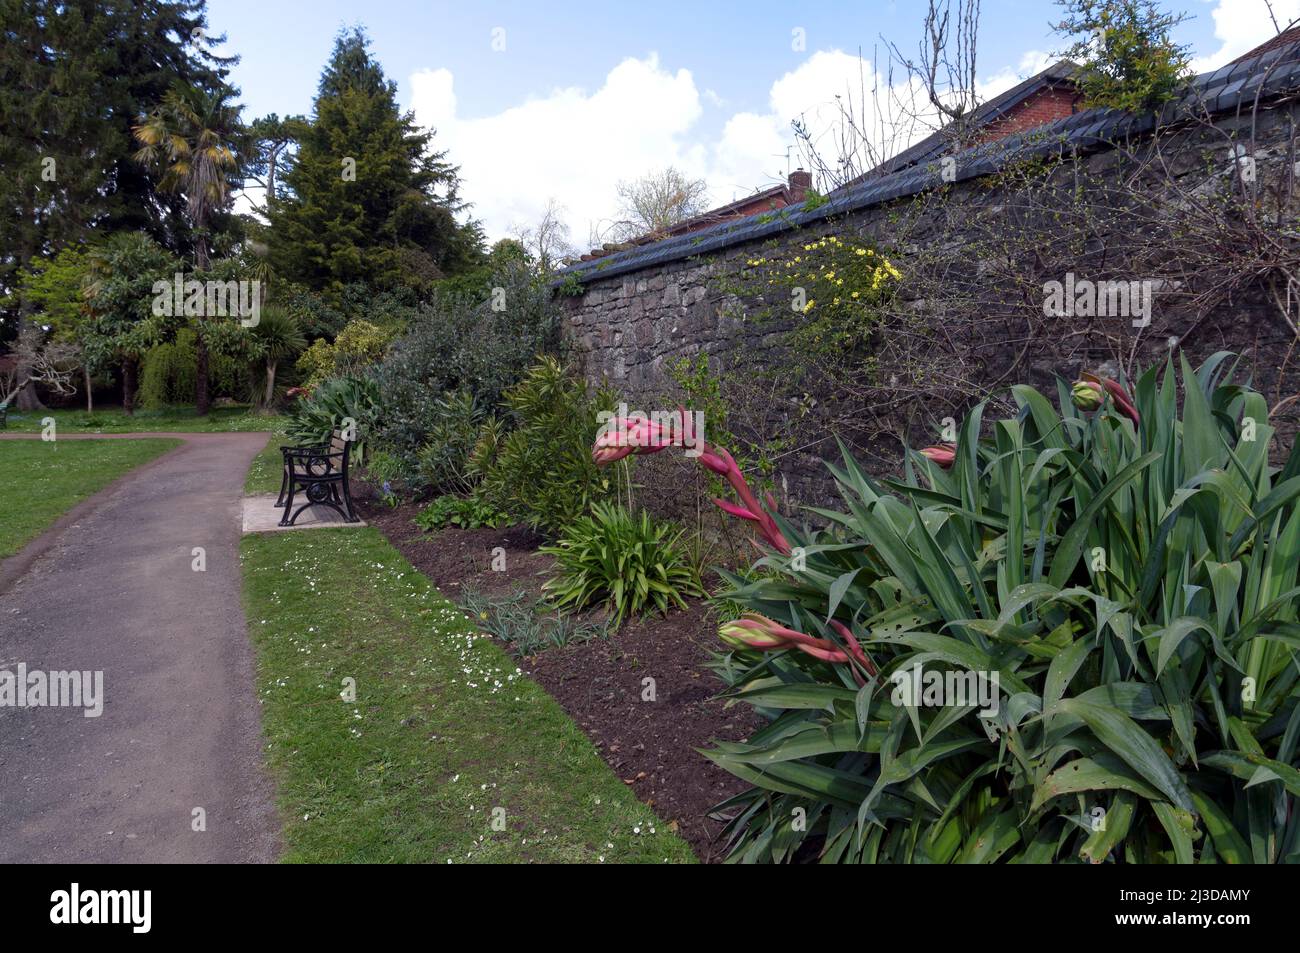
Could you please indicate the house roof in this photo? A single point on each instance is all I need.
(1264, 75)
(1289, 35)
(1060, 72)
(785, 193)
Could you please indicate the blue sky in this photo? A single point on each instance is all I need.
(564, 100)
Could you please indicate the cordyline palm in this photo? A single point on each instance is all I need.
(190, 138)
(281, 339)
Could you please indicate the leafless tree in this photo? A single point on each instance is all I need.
(35, 361)
(900, 102)
(548, 241)
(656, 202)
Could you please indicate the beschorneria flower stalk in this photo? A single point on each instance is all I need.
(637, 435)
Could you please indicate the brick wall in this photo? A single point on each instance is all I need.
(1046, 105)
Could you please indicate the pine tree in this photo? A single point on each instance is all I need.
(367, 200)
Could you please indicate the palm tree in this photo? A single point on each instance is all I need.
(191, 138)
(281, 339)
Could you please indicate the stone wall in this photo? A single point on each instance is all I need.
(629, 326)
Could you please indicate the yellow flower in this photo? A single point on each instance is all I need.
(860, 252)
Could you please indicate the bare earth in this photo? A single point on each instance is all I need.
(115, 591)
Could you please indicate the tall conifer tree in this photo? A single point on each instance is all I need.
(366, 199)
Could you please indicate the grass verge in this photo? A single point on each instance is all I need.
(44, 479)
(445, 736)
(115, 420)
(266, 470)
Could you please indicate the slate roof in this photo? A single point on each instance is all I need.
(1266, 75)
(935, 144)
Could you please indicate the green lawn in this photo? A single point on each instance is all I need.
(266, 470)
(444, 729)
(45, 479)
(115, 420)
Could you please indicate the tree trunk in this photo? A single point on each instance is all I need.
(128, 385)
(90, 398)
(268, 400)
(202, 397)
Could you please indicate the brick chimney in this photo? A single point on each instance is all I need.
(799, 183)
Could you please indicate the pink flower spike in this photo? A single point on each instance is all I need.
(735, 510)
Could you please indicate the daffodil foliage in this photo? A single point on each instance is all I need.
(1128, 588)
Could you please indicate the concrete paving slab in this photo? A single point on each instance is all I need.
(261, 515)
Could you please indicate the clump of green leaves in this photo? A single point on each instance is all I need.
(630, 563)
(331, 407)
(536, 460)
(466, 512)
(526, 623)
(1128, 58)
(1125, 578)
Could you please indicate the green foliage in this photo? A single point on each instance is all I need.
(703, 392)
(73, 79)
(537, 464)
(1133, 593)
(367, 197)
(121, 273)
(54, 287)
(453, 432)
(814, 200)
(168, 375)
(466, 512)
(279, 338)
(838, 287)
(1128, 57)
(461, 344)
(359, 345)
(630, 563)
(330, 407)
(526, 624)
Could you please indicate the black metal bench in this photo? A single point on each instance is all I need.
(321, 473)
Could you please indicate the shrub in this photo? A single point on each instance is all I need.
(168, 374)
(1128, 55)
(453, 432)
(461, 343)
(630, 563)
(467, 512)
(527, 624)
(358, 346)
(330, 407)
(541, 470)
(1126, 580)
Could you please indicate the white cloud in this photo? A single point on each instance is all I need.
(571, 144)
(1240, 25)
(575, 146)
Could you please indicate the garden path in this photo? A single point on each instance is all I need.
(171, 770)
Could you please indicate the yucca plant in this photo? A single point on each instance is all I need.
(632, 563)
(331, 406)
(1123, 575)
